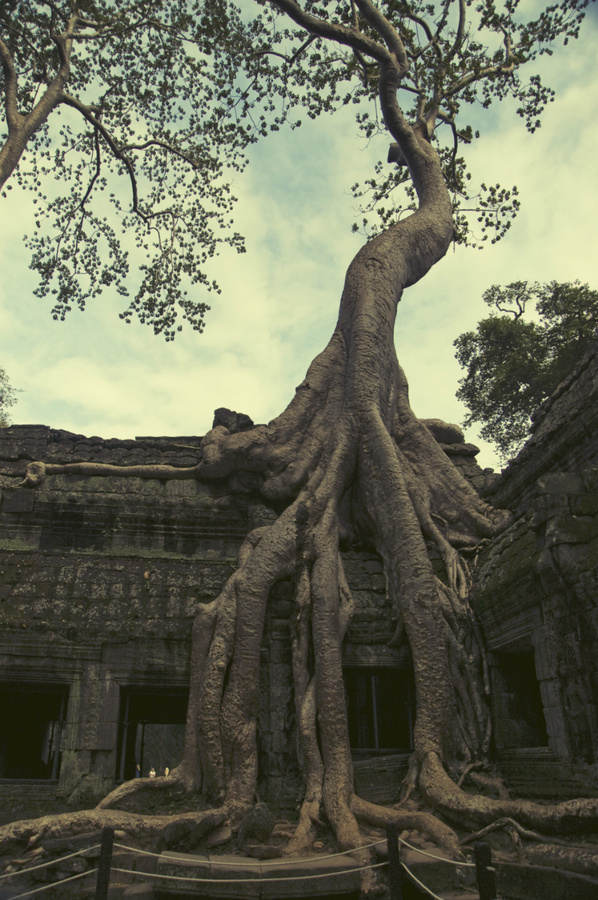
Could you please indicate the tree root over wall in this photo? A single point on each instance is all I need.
(350, 463)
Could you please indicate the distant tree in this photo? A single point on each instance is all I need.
(514, 363)
(7, 398)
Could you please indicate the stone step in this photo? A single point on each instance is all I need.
(116, 891)
(234, 877)
(458, 895)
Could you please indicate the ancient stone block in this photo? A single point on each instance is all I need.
(557, 731)
(560, 483)
(569, 530)
(585, 504)
(19, 500)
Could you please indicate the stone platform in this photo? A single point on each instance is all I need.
(229, 876)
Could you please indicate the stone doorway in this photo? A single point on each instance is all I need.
(152, 730)
(31, 722)
(381, 709)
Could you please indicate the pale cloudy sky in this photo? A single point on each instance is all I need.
(97, 376)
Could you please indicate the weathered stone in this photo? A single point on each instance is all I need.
(19, 500)
(68, 867)
(560, 483)
(231, 420)
(569, 530)
(219, 836)
(175, 836)
(257, 825)
(101, 577)
(461, 450)
(444, 432)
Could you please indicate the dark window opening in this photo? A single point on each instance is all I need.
(518, 707)
(152, 730)
(31, 723)
(381, 711)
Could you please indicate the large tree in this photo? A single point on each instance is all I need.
(514, 363)
(347, 461)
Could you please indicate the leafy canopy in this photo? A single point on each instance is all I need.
(8, 398)
(135, 118)
(129, 122)
(513, 362)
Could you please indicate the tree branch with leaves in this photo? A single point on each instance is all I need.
(158, 93)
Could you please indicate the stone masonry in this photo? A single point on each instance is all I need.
(536, 592)
(101, 577)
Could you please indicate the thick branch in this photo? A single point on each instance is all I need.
(13, 116)
(386, 31)
(340, 34)
(21, 128)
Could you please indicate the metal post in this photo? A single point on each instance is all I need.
(394, 861)
(485, 871)
(105, 863)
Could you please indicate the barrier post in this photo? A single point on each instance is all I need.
(105, 863)
(485, 871)
(394, 861)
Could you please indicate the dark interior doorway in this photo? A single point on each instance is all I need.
(31, 723)
(152, 729)
(381, 709)
(518, 706)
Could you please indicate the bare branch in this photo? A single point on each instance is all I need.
(170, 148)
(96, 174)
(488, 72)
(460, 32)
(87, 114)
(64, 43)
(288, 59)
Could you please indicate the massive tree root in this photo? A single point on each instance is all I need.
(145, 830)
(349, 462)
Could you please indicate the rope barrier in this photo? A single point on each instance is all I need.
(47, 887)
(50, 862)
(252, 880)
(452, 862)
(283, 861)
(420, 883)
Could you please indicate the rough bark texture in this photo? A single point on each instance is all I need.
(349, 461)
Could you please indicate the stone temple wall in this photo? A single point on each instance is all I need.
(101, 576)
(100, 579)
(536, 595)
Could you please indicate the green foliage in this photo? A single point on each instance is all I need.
(513, 364)
(139, 117)
(129, 122)
(8, 398)
(458, 67)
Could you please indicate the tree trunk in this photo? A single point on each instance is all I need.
(348, 460)
(349, 430)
